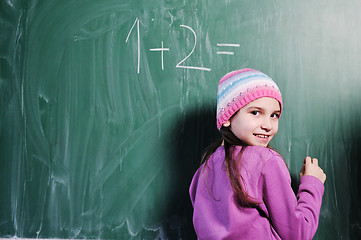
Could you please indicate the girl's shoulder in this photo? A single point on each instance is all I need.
(261, 153)
(254, 154)
(216, 158)
(260, 159)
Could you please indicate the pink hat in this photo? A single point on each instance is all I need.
(237, 89)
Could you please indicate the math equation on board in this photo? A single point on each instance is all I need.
(162, 49)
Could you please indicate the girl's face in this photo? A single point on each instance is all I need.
(257, 122)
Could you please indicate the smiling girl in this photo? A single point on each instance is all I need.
(243, 188)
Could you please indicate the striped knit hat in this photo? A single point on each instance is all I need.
(237, 89)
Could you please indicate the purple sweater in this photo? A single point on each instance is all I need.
(280, 215)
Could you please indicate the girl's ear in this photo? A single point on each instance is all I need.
(227, 124)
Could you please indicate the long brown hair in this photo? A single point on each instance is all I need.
(230, 141)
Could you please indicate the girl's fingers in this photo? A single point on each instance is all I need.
(307, 160)
(315, 161)
(311, 167)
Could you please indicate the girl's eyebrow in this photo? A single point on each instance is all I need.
(255, 107)
(261, 109)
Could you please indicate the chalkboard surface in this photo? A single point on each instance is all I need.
(106, 107)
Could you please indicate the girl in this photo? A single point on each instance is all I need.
(243, 188)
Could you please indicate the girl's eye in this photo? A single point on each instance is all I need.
(256, 113)
(275, 115)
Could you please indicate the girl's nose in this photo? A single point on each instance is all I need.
(266, 124)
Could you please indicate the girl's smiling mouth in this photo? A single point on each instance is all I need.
(261, 135)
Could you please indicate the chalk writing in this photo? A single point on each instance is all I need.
(226, 45)
(162, 49)
(136, 22)
(194, 46)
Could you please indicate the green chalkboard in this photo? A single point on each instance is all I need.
(106, 107)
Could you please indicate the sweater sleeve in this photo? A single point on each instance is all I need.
(291, 217)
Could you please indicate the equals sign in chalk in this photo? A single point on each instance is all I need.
(226, 45)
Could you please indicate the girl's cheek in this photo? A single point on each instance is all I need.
(275, 129)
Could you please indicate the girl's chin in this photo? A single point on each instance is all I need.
(261, 143)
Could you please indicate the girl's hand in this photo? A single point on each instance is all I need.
(310, 167)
